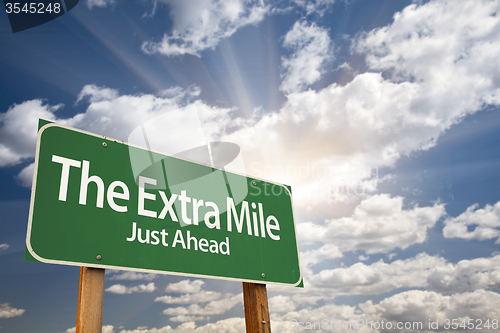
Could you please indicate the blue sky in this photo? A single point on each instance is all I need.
(381, 115)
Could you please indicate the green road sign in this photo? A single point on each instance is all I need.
(100, 202)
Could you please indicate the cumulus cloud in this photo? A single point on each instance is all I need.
(422, 271)
(310, 258)
(18, 130)
(315, 6)
(435, 64)
(199, 297)
(97, 94)
(311, 49)
(230, 325)
(108, 329)
(466, 275)
(105, 329)
(108, 113)
(200, 25)
(426, 44)
(453, 62)
(117, 115)
(430, 68)
(486, 223)
(378, 277)
(420, 306)
(378, 224)
(193, 294)
(414, 308)
(6, 311)
(185, 287)
(132, 276)
(25, 177)
(99, 3)
(121, 289)
(281, 303)
(283, 323)
(183, 318)
(216, 307)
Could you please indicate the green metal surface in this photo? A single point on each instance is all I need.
(69, 232)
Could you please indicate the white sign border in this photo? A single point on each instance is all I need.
(72, 263)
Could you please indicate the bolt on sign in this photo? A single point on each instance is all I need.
(89, 208)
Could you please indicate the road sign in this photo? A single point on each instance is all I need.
(90, 207)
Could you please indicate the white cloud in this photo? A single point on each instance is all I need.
(450, 51)
(200, 25)
(97, 94)
(420, 306)
(152, 12)
(378, 224)
(4, 246)
(105, 329)
(435, 64)
(108, 114)
(121, 289)
(310, 258)
(408, 307)
(198, 297)
(281, 303)
(6, 311)
(285, 322)
(99, 3)
(185, 327)
(25, 177)
(18, 130)
(193, 295)
(486, 221)
(116, 116)
(339, 135)
(376, 278)
(424, 83)
(421, 271)
(466, 275)
(185, 287)
(311, 47)
(132, 276)
(230, 325)
(315, 6)
(183, 318)
(216, 307)
(451, 48)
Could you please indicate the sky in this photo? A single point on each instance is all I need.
(381, 115)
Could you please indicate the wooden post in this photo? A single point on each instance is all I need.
(90, 296)
(256, 308)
